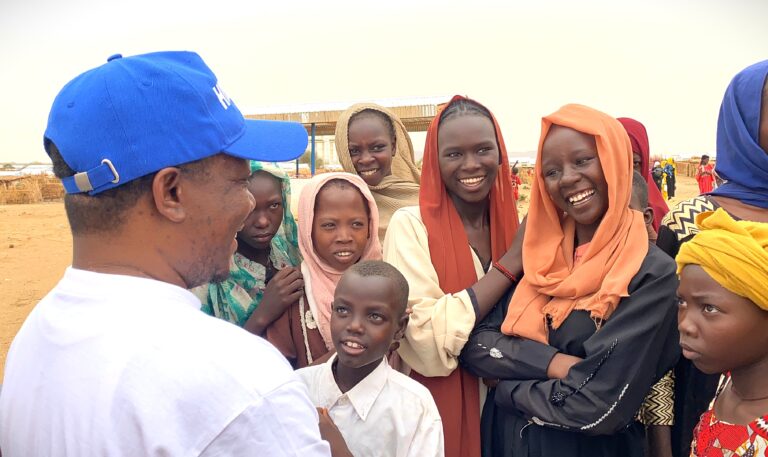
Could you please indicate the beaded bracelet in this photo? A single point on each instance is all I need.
(505, 272)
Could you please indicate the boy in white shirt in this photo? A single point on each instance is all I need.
(378, 410)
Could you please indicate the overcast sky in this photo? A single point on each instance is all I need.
(665, 63)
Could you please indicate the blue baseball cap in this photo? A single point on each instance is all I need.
(136, 115)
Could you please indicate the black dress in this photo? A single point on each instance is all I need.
(592, 411)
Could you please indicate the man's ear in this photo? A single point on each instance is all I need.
(648, 215)
(167, 192)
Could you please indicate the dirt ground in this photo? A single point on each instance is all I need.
(35, 248)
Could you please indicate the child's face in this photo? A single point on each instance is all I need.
(262, 224)
(365, 319)
(637, 162)
(468, 156)
(719, 330)
(340, 229)
(573, 176)
(371, 148)
(634, 203)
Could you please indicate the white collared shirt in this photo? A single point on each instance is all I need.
(385, 414)
(113, 365)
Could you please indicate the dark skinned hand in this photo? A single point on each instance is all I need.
(329, 432)
(285, 289)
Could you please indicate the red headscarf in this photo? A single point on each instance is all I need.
(639, 139)
(457, 395)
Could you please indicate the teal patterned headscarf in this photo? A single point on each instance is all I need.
(236, 298)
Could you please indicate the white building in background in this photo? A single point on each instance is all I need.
(22, 169)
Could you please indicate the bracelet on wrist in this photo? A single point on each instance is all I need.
(508, 274)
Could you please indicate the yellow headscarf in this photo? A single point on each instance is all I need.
(734, 253)
(397, 190)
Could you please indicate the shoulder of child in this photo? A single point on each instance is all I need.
(411, 390)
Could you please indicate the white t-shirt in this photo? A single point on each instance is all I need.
(113, 365)
(385, 414)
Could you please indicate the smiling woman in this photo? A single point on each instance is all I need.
(590, 327)
(465, 223)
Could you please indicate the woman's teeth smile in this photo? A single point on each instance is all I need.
(472, 182)
(343, 254)
(581, 198)
(369, 172)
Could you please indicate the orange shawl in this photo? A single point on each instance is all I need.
(457, 395)
(552, 286)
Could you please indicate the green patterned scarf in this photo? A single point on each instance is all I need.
(236, 298)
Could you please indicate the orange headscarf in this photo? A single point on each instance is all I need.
(457, 395)
(552, 285)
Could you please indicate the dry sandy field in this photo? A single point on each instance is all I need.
(35, 248)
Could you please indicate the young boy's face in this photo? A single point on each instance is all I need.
(719, 330)
(634, 203)
(365, 319)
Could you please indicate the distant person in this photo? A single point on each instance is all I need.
(742, 160)
(118, 360)
(591, 326)
(723, 316)
(338, 226)
(372, 142)
(638, 138)
(264, 276)
(705, 175)
(670, 174)
(379, 411)
(657, 172)
(516, 183)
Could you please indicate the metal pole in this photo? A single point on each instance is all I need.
(312, 154)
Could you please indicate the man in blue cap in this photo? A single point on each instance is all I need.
(117, 360)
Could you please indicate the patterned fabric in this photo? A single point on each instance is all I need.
(681, 220)
(659, 405)
(236, 298)
(714, 438)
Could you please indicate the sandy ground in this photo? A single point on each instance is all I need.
(35, 248)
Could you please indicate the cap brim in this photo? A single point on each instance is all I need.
(270, 141)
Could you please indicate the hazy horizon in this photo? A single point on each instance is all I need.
(666, 64)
